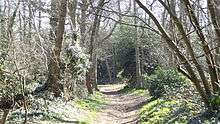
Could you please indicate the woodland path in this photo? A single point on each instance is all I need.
(121, 108)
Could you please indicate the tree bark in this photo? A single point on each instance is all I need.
(213, 6)
(4, 116)
(84, 8)
(109, 71)
(95, 27)
(72, 6)
(54, 65)
(138, 82)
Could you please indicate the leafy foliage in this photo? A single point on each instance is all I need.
(76, 60)
(76, 65)
(125, 49)
(10, 85)
(124, 45)
(162, 80)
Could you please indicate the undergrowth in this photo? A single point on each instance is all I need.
(82, 111)
(161, 111)
(92, 103)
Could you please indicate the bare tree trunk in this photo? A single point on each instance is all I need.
(29, 36)
(72, 6)
(39, 18)
(172, 30)
(54, 65)
(213, 6)
(23, 80)
(138, 82)
(94, 33)
(95, 64)
(164, 21)
(84, 8)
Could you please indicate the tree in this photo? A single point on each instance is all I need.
(205, 94)
(138, 82)
(54, 64)
(92, 73)
(82, 21)
(213, 6)
(72, 6)
(189, 47)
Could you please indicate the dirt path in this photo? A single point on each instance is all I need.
(122, 108)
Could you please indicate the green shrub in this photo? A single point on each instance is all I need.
(162, 80)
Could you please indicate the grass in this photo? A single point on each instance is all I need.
(135, 91)
(139, 92)
(42, 117)
(60, 112)
(162, 111)
(93, 103)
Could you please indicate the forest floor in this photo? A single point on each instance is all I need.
(122, 107)
(114, 104)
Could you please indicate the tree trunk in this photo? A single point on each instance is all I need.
(208, 55)
(180, 55)
(189, 48)
(4, 116)
(88, 82)
(54, 65)
(84, 8)
(214, 9)
(109, 71)
(138, 82)
(39, 18)
(95, 64)
(94, 33)
(72, 6)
